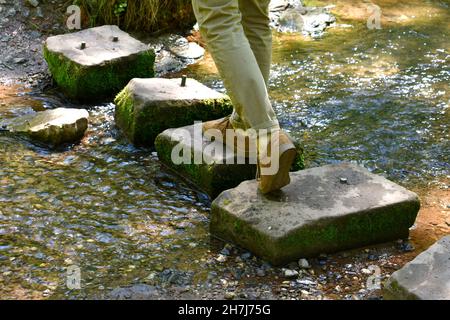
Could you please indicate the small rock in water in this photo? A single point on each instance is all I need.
(260, 273)
(225, 251)
(306, 282)
(20, 60)
(366, 271)
(288, 273)
(55, 126)
(190, 50)
(221, 258)
(230, 296)
(372, 257)
(246, 256)
(304, 264)
(33, 3)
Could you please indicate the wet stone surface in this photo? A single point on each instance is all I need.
(316, 213)
(97, 62)
(210, 165)
(293, 16)
(147, 107)
(53, 127)
(174, 53)
(213, 171)
(427, 277)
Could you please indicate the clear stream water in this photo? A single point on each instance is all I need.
(379, 98)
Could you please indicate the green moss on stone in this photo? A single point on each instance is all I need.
(86, 83)
(124, 112)
(211, 178)
(311, 240)
(142, 123)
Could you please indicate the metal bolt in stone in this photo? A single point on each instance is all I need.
(115, 39)
(83, 45)
(183, 80)
(344, 180)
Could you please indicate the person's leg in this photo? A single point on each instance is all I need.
(256, 24)
(221, 26)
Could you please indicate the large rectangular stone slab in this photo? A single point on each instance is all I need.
(147, 107)
(427, 277)
(103, 67)
(218, 172)
(323, 210)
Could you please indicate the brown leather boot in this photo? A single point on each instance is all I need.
(236, 139)
(222, 125)
(275, 158)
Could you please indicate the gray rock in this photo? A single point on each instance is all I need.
(103, 67)
(304, 264)
(167, 62)
(218, 171)
(55, 127)
(213, 176)
(260, 272)
(174, 53)
(136, 292)
(278, 5)
(147, 107)
(187, 50)
(288, 273)
(309, 21)
(39, 12)
(427, 277)
(34, 3)
(230, 296)
(315, 214)
(20, 60)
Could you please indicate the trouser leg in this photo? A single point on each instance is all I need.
(256, 24)
(223, 25)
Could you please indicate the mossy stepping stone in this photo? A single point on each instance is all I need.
(53, 127)
(323, 210)
(98, 62)
(147, 107)
(427, 277)
(209, 171)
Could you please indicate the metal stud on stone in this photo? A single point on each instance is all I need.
(344, 180)
(183, 80)
(83, 45)
(115, 39)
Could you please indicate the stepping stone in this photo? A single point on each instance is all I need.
(54, 127)
(212, 173)
(427, 277)
(110, 59)
(147, 107)
(323, 210)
